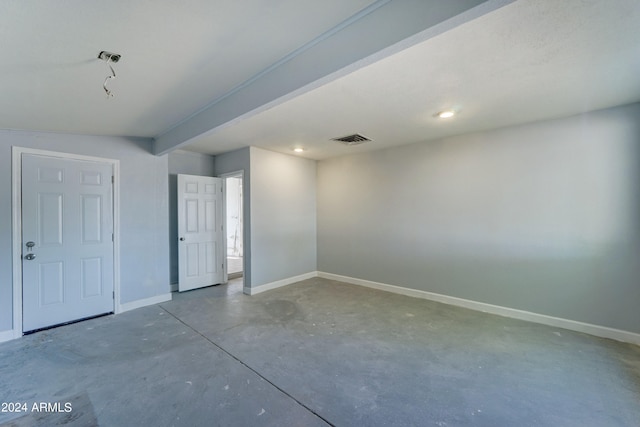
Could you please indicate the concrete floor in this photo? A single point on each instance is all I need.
(316, 353)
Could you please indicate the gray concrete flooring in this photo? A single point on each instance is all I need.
(318, 353)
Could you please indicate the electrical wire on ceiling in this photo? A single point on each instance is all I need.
(109, 58)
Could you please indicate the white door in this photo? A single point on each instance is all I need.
(67, 240)
(200, 232)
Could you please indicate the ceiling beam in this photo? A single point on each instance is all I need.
(380, 30)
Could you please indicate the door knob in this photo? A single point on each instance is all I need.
(182, 239)
(29, 257)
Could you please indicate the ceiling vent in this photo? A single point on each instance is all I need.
(354, 139)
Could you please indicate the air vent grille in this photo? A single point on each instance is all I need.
(354, 139)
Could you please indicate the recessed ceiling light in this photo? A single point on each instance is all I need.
(299, 150)
(446, 114)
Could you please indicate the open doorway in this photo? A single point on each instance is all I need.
(234, 222)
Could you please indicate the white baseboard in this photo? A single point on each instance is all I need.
(279, 283)
(144, 302)
(587, 328)
(9, 335)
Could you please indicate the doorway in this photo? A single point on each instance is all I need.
(235, 225)
(64, 238)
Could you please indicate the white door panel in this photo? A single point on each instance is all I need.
(67, 226)
(200, 231)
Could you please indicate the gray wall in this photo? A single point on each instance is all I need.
(182, 162)
(283, 216)
(235, 161)
(542, 217)
(144, 221)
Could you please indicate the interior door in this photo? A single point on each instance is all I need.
(67, 240)
(200, 232)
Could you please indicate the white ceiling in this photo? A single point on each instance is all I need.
(526, 61)
(177, 56)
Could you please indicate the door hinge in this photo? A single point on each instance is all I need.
(112, 238)
(113, 294)
(113, 179)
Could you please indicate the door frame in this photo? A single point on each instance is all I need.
(16, 220)
(224, 176)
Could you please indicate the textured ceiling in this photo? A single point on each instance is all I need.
(176, 57)
(527, 61)
(503, 63)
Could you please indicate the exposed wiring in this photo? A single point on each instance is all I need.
(109, 58)
(112, 76)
